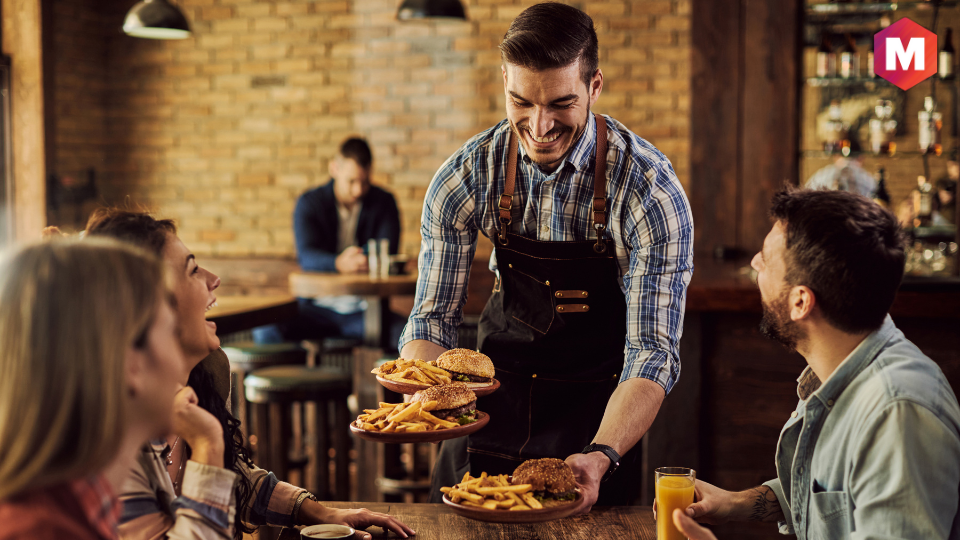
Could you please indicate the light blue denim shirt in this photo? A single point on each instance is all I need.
(875, 451)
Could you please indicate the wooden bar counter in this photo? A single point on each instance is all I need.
(439, 522)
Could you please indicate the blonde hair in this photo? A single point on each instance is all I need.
(69, 311)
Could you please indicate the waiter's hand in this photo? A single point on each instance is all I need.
(588, 469)
(351, 261)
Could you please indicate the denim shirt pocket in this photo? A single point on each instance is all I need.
(830, 516)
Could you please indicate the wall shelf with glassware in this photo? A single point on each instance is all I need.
(879, 7)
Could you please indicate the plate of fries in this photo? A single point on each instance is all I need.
(405, 376)
(496, 499)
(411, 423)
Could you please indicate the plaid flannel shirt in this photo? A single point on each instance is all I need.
(648, 217)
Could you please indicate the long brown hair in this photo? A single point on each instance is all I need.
(68, 313)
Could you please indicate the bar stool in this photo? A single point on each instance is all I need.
(272, 393)
(249, 356)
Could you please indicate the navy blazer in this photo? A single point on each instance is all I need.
(316, 226)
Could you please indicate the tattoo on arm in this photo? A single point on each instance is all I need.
(765, 507)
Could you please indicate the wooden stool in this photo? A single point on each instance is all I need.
(248, 356)
(273, 391)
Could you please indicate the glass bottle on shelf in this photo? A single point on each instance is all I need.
(883, 128)
(928, 130)
(870, 73)
(849, 58)
(826, 59)
(945, 61)
(837, 132)
(922, 202)
(881, 195)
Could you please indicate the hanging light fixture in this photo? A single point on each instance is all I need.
(156, 19)
(431, 9)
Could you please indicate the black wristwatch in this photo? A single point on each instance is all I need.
(607, 451)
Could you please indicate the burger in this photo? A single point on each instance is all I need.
(467, 366)
(551, 479)
(455, 402)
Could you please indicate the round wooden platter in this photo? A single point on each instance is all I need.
(413, 388)
(516, 516)
(422, 436)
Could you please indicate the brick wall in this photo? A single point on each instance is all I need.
(224, 130)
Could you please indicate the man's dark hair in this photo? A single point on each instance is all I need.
(550, 36)
(847, 249)
(358, 150)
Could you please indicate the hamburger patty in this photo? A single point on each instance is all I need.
(550, 495)
(457, 412)
(464, 377)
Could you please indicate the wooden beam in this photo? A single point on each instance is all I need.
(22, 42)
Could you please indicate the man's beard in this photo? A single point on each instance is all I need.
(777, 325)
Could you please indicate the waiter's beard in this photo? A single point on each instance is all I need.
(777, 325)
(545, 159)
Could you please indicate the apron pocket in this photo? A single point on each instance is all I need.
(565, 415)
(528, 301)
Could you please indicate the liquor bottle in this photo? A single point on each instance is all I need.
(930, 123)
(826, 59)
(881, 195)
(837, 132)
(922, 202)
(945, 61)
(883, 128)
(870, 73)
(849, 58)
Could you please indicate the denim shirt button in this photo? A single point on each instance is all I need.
(800, 470)
(829, 403)
(793, 414)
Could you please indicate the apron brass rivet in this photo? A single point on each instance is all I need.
(559, 294)
(534, 375)
(559, 308)
(586, 308)
(547, 283)
(583, 293)
(509, 266)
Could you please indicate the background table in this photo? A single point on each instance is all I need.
(437, 521)
(236, 313)
(376, 292)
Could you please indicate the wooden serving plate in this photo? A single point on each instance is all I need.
(422, 436)
(516, 516)
(413, 388)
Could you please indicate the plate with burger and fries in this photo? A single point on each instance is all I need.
(434, 414)
(406, 376)
(539, 490)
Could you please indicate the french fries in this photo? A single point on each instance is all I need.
(413, 372)
(492, 493)
(413, 417)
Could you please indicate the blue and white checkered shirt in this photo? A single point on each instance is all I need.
(648, 217)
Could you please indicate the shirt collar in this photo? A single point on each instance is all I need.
(581, 155)
(99, 504)
(851, 366)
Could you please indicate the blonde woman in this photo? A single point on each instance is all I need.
(87, 374)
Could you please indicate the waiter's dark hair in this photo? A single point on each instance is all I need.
(550, 36)
(358, 150)
(847, 249)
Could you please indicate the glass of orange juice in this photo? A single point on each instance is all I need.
(674, 490)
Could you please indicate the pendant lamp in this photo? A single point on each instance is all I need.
(431, 9)
(156, 19)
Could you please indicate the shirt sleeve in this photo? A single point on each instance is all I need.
(905, 477)
(659, 229)
(205, 510)
(448, 233)
(307, 235)
(273, 502)
(785, 526)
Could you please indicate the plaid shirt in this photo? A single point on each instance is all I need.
(648, 218)
(99, 504)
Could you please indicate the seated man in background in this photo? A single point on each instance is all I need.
(873, 448)
(332, 224)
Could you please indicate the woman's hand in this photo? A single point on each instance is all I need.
(314, 513)
(200, 429)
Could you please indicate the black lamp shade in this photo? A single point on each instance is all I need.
(431, 9)
(156, 19)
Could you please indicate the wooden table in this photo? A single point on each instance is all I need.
(236, 313)
(376, 292)
(439, 522)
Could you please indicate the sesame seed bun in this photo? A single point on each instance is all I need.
(549, 475)
(467, 362)
(447, 396)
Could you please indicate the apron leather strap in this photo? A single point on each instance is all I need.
(599, 186)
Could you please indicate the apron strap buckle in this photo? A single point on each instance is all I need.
(600, 246)
(504, 224)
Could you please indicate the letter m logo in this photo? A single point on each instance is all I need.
(906, 53)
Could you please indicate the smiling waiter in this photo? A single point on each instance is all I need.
(593, 253)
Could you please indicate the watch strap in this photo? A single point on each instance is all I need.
(607, 451)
